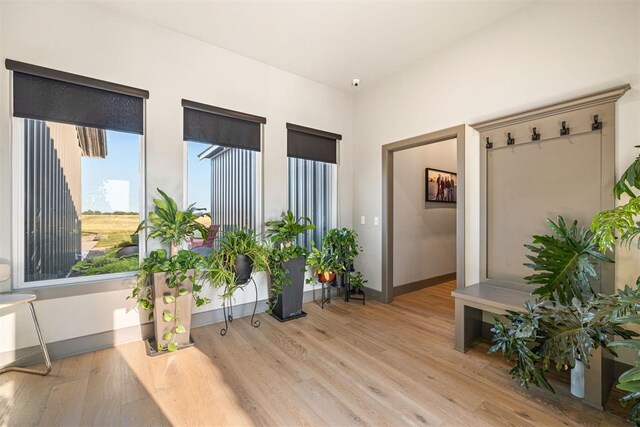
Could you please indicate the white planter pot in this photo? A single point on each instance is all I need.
(577, 380)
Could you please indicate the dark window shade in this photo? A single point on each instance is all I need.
(201, 126)
(311, 144)
(42, 98)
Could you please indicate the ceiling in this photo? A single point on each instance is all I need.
(331, 42)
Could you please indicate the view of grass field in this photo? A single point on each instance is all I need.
(110, 230)
(103, 237)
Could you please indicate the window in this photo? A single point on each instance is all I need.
(223, 168)
(312, 179)
(78, 159)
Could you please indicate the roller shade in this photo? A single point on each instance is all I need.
(46, 94)
(219, 126)
(312, 144)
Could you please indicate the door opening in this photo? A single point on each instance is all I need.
(397, 267)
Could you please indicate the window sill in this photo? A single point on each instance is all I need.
(67, 290)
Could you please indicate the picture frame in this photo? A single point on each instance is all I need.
(440, 186)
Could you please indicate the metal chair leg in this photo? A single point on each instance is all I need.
(43, 347)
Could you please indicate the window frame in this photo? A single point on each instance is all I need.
(18, 201)
(259, 180)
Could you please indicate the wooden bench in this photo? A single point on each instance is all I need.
(498, 298)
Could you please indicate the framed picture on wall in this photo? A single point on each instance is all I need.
(441, 186)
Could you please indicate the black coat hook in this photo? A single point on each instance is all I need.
(596, 123)
(535, 136)
(565, 130)
(489, 144)
(510, 141)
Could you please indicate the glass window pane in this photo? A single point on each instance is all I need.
(81, 199)
(310, 194)
(222, 182)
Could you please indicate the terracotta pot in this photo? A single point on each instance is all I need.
(326, 277)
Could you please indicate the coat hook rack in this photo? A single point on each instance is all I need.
(596, 125)
(535, 136)
(565, 130)
(510, 141)
(489, 144)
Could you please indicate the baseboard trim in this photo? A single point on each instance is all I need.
(421, 284)
(373, 294)
(88, 343)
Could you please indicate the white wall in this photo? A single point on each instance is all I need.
(84, 39)
(545, 52)
(424, 233)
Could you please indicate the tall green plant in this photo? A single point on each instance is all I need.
(282, 234)
(171, 225)
(563, 262)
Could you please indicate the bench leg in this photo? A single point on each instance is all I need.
(43, 349)
(468, 325)
(598, 380)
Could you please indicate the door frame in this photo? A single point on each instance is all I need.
(388, 150)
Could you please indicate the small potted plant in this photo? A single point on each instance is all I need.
(166, 282)
(323, 263)
(287, 266)
(342, 243)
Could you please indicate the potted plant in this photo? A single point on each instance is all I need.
(231, 265)
(323, 263)
(287, 266)
(166, 282)
(561, 328)
(342, 243)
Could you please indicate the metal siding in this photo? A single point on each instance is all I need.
(310, 185)
(233, 189)
(52, 233)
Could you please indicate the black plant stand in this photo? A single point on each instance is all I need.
(229, 318)
(326, 293)
(346, 283)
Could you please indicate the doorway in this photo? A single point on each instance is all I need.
(388, 159)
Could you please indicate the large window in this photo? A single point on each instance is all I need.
(312, 179)
(223, 168)
(77, 167)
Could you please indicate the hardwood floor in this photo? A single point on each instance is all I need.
(344, 365)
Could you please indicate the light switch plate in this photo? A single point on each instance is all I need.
(375, 220)
(362, 220)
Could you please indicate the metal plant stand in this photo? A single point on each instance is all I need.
(326, 293)
(346, 283)
(228, 318)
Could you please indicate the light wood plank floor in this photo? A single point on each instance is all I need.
(345, 365)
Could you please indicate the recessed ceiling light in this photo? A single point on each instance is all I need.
(355, 82)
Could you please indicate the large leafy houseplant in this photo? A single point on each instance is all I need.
(166, 282)
(621, 224)
(561, 327)
(285, 259)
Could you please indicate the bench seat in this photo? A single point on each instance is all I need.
(498, 298)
